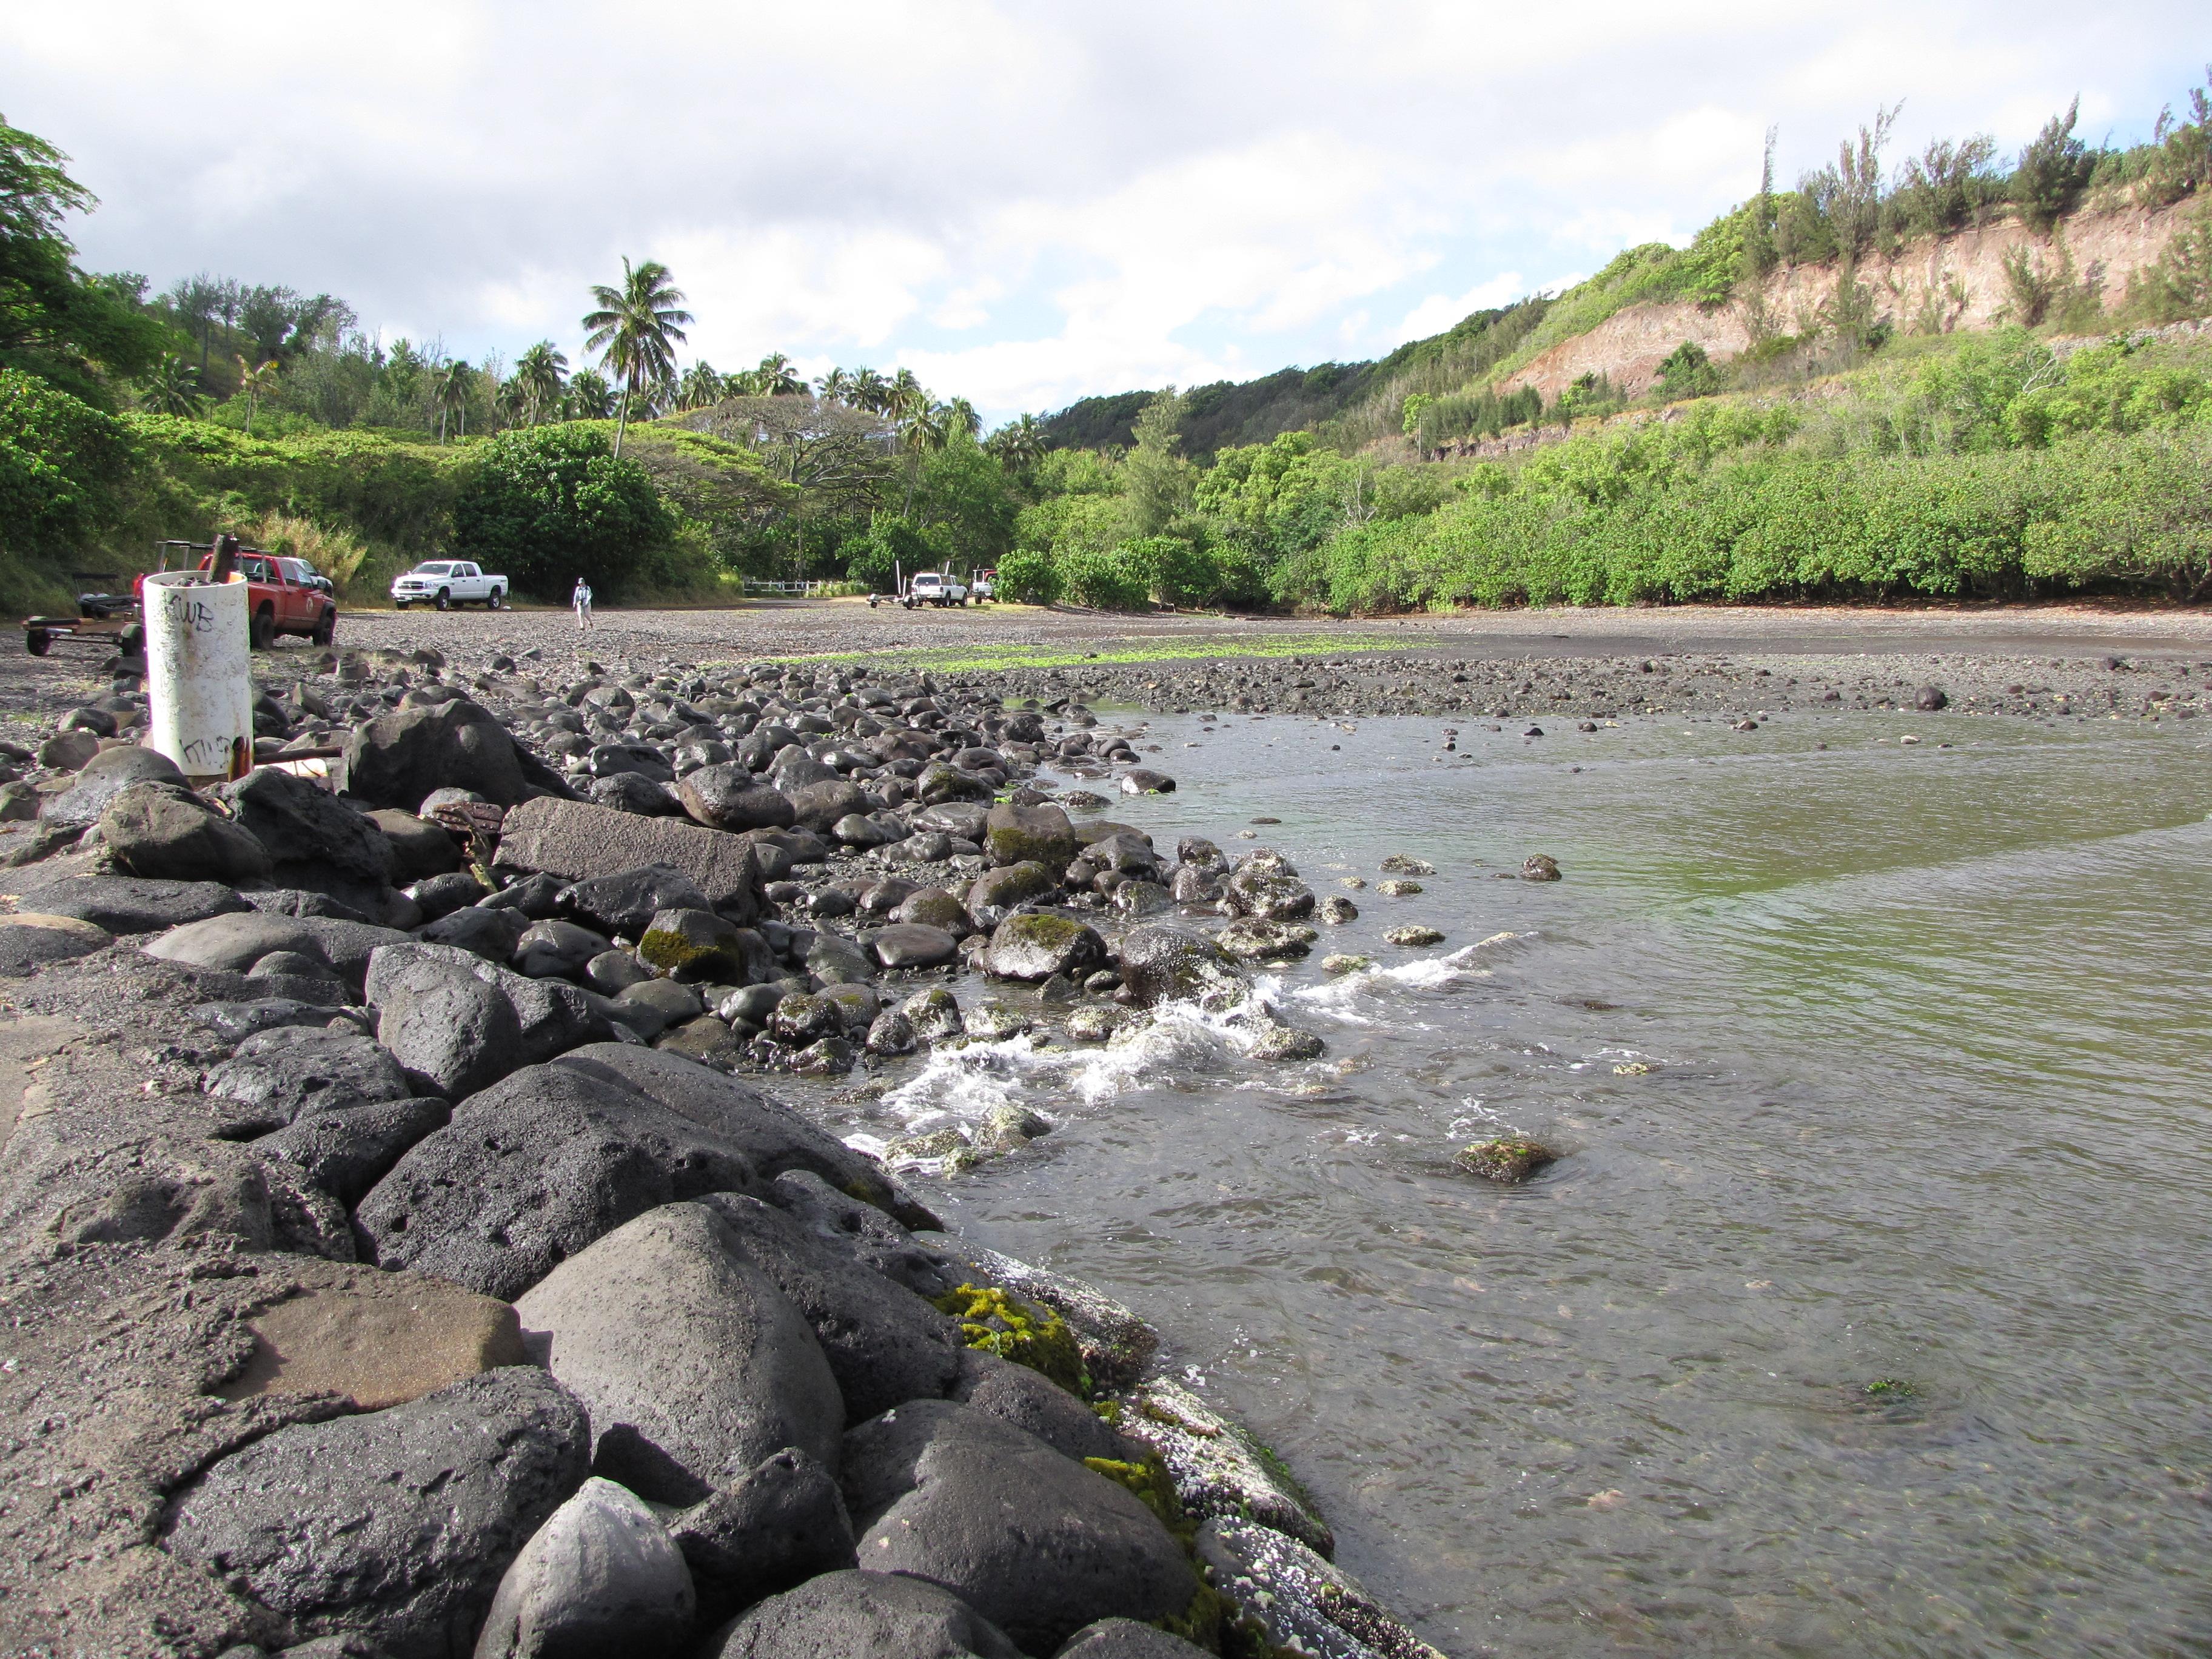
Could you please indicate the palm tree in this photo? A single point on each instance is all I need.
(1019, 443)
(923, 423)
(903, 391)
(511, 403)
(700, 388)
(588, 398)
(869, 390)
(776, 376)
(255, 383)
(451, 391)
(540, 370)
(168, 387)
(960, 415)
(634, 330)
(836, 385)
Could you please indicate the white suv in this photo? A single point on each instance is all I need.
(932, 587)
(446, 583)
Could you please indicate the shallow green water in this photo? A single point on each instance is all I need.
(1929, 1099)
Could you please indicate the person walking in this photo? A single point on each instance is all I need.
(581, 598)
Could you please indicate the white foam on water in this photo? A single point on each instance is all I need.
(1337, 997)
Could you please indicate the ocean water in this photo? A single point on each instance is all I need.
(1872, 1063)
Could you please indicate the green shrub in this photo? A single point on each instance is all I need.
(1119, 579)
(546, 505)
(1028, 577)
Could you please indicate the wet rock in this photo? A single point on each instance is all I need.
(890, 1033)
(280, 1075)
(419, 850)
(1930, 698)
(1033, 1540)
(104, 776)
(780, 1523)
(1095, 1021)
(997, 891)
(1509, 1159)
(1413, 936)
(995, 1022)
(379, 1339)
(1257, 1031)
(1400, 889)
(1115, 1344)
(1034, 946)
(693, 1366)
(817, 806)
(166, 831)
(1008, 1128)
(1336, 910)
(1029, 835)
(1539, 867)
(397, 1523)
(883, 1615)
(1402, 864)
(130, 904)
(836, 960)
(1297, 1602)
(707, 1040)
(1219, 1468)
(600, 1577)
(1163, 961)
(578, 842)
(913, 944)
(1033, 1402)
(729, 797)
(396, 760)
(932, 906)
(1346, 963)
(1255, 938)
(1143, 781)
(28, 941)
(530, 1172)
(854, 830)
(347, 1150)
(1258, 891)
(934, 1014)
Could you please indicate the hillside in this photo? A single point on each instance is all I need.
(1788, 285)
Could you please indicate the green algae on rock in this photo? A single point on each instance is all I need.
(1511, 1158)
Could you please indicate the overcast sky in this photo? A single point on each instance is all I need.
(1022, 203)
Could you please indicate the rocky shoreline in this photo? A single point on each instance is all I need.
(401, 1260)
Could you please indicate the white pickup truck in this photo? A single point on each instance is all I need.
(446, 583)
(932, 587)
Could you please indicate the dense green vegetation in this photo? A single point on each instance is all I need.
(1850, 457)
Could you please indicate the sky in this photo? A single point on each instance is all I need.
(1024, 203)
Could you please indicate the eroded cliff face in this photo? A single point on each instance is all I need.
(1956, 282)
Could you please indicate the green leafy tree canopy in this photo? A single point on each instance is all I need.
(548, 504)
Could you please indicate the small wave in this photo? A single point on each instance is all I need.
(1337, 997)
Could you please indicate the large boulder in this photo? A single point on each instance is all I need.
(885, 1345)
(692, 1365)
(997, 891)
(534, 1169)
(1034, 1541)
(29, 941)
(458, 1023)
(397, 1523)
(779, 1524)
(132, 904)
(348, 1151)
(104, 777)
(1034, 947)
(729, 797)
(398, 759)
(1294, 1601)
(841, 1615)
(775, 1139)
(1022, 835)
(235, 941)
(577, 841)
(600, 1577)
(912, 944)
(1161, 962)
(279, 1076)
(817, 806)
(1217, 1467)
(302, 824)
(625, 901)
(1031, 1401)
(165, 830)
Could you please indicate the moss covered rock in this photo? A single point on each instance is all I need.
(1034, 947)
(1024, 834)
(1508, 1158)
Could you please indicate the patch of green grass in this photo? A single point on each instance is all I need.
(987, 659)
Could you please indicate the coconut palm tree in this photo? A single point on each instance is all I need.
(701, 386)
(168, 387)
(904, 390)
(635, 330)
(836, 386)
(256, 383)
(450, 393)
(1019, 443)
(869, 390)
(960, 415)
(540, 370)
(511, 403)
(776, 377)
(589, 398)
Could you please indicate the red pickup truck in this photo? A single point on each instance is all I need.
(278, 601)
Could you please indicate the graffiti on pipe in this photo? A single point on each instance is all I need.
(188, 612)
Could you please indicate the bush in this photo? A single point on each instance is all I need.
(1118, 580)
(1028, 577)
(548, 504)
(60, 462)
